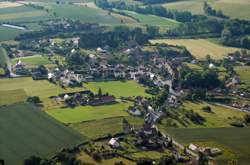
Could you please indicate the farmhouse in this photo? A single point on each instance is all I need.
(103, 100)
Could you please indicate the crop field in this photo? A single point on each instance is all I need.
(234, 142)
(232, 8)
(84, 14)
(200, 48)
(12, 96)
(100, 128)
(221, 116)
(244, 74)
(152, 20)
(37, 134)
(32, 61)
(118, 88)
(87, 113)
(6, 4)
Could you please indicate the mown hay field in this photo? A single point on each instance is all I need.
(200, 48)
(234, 142)
(27, 131)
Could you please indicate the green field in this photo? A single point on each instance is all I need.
(244, 74)
(100, 128)
(9, 34)
(200, 48)
(32, 61)
(219, 118)
(232, 8)
(27, 131)
(84, 14)
(152, 20)
(234, 142)
(3, 57)
(12, 96)
(118, 88)
(87, 113)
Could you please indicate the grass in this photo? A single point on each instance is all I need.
(84, 14)
(200, 48)
(32, 61)
(3, 57)
(8, 34)
(118, 88)
(12, 96)
(152, 20)
(100, 128)
(26, 131)
(234, 142)
(244, 74)
(221, 117)
(87, 113)
(234, 9)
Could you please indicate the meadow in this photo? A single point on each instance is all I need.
(200, 48)
(152, 20)
(100, 128)
(12, 96)
(244, 74)
(220, 116)
(87, 113)
(37, 134)
(234, 142)
(234, 9)
(3, 57)
(9, 34)
(32, 61)
(118, 88)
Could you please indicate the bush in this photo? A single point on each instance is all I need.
(237, 124)
(34, 100)
(207, 109)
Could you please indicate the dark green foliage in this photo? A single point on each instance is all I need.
(144, 161)
(207, 109)
(33, 160)
(195, 117)
(167, 160)
(34, 100)
(212, 12)
(247, 118)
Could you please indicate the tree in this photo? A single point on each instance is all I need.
(203, 159)
(167, 160)
(33, 160)
(100, 92)
(247, 118)
(34, 99)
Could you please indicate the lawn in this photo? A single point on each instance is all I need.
(100, 128)
(12, 96)
(244, 74)
(32, 61)
(219, 118)
(234, 142)
(87, 113)
(234, 9)
(27, 131)
(152, 20)
(3, 57)
(200, 48)
(118, 88)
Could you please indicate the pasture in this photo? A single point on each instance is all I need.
(87, 113)
(234, 142)
(221, 116)
(118, 88)
(200, 48)
(32, 61)
(152, 20)
(12, 96)
(85, 14)
(8, 34)
(37, 133)
(244, 74)
(234, 9)
(99, 128)
(3, 57)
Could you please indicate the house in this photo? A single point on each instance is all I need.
(211, 66)
(135, 112)
(103, 100)
(193, 147)
(113, 142)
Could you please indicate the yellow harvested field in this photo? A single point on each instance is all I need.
(87, 4)
(21, 15)
(6, 4)
(200, 48)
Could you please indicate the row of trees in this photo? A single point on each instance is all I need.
(212, 12)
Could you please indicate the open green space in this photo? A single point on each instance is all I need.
(27, 131)
(200, 48)
(12, 96)
(3, 57)
(244, 74)
(220, 116)
(9, 34)
(84, 14)
(87, 113)
(234, 142)
(100, 128)
(32, 61)
(234, 9)
(118, 88)
(152, 20)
